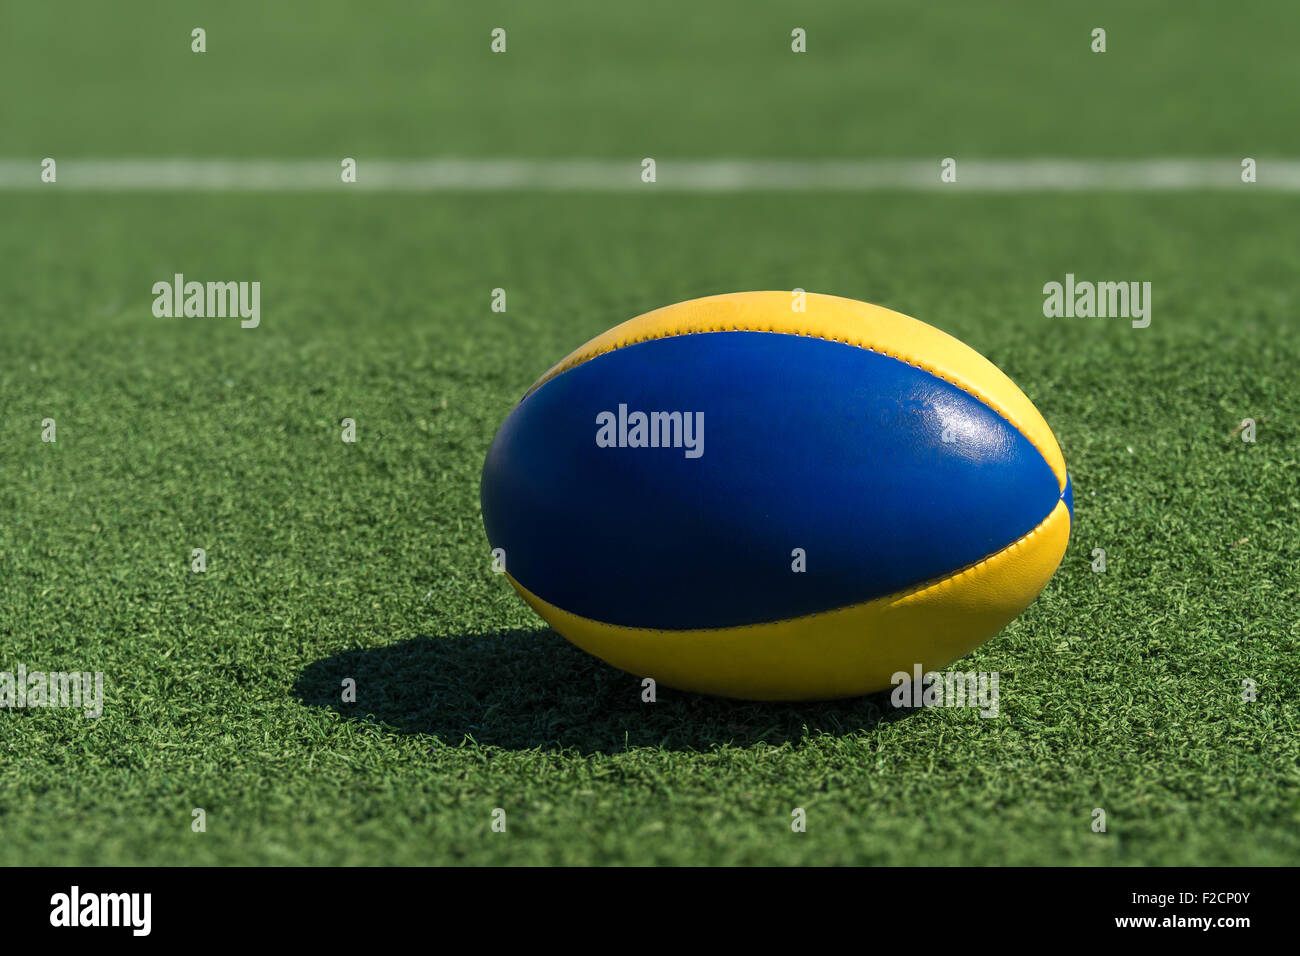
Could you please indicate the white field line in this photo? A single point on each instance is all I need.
(705, 176)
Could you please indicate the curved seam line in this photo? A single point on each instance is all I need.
(894, 597)
(556, 372)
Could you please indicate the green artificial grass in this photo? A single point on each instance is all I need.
(329, 560)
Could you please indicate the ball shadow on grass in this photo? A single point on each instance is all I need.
(532, 689)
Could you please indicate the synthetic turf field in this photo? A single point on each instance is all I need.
(326, 560)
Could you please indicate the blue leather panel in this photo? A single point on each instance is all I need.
(807, 444)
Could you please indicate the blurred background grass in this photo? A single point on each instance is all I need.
(678, 78)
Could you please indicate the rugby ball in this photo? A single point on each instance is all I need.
(776, 496)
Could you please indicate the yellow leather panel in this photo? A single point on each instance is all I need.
(839, 653)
